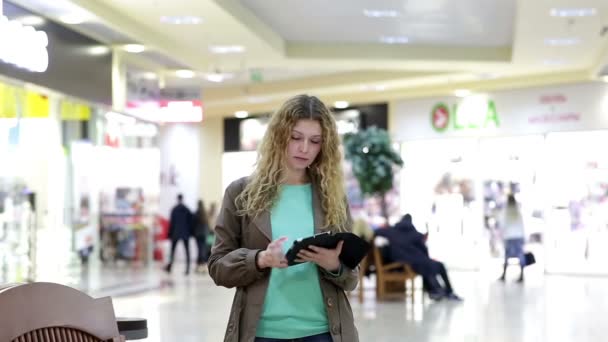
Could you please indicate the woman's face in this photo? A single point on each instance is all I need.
(304, 144)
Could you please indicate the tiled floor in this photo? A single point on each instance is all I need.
(546, 308)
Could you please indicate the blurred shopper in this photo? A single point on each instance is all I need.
(180, 229)
(201, 229)
(407, 245)
(513, 236)
(296, 190)
(211, 217)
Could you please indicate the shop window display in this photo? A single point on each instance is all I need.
(17, 232)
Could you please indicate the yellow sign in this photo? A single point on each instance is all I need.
(36, 105)
(14, 100)
(8, 101)
(74, 111)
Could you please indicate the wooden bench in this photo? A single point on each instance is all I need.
(391, 278)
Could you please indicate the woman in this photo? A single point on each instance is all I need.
(513, 236)
(201, 229)
(296, 191)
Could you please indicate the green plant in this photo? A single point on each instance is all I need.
(373, 162)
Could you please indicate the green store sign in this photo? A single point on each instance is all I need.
(464, 116)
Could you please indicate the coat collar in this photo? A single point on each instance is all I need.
(262, 220)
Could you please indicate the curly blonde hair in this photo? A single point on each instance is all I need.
(325, 172)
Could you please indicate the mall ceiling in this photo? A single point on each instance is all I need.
(251, 54)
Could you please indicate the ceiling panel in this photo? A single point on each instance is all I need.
(421, 22)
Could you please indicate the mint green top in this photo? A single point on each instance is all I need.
(293, 306)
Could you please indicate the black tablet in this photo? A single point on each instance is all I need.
(353, 250)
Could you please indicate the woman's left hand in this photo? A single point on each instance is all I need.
(324, 257)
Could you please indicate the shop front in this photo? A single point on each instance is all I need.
(464, 155)
(44, 106)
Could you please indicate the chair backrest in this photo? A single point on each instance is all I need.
(48, 312)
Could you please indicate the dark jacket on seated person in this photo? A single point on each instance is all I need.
(407, 245)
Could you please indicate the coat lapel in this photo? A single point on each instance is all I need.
(262, 223)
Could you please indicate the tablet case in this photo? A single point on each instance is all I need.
(354, 248)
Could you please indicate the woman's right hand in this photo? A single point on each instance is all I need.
(273, 255)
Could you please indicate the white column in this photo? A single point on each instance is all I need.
(119, 80)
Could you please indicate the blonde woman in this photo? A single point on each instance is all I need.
(296, 190)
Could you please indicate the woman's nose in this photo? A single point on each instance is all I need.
(304, 146)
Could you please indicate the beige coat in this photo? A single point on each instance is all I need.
(232, 264)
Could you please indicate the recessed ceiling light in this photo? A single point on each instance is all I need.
(218, 77)
(487, 76)
(134, 48)
(73, 19)
(573, 12)
(380, 13)
(341, 104)
(373, 87)
(98, 50)
(181, 19)
(149, 75)
(241, 114)
(31, 20)
(222, 49)
(554, 62)
(562, 41)
(394, 39)
(462, 92)
(185, 73)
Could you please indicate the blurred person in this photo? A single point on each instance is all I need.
(296, 190)
(200, 231)
(180, 229)
(211, 216)
(407, 245)
(513, 235)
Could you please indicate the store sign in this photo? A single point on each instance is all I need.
(23, 46)
(167, 111)
(471, 113)
(74, 111)
(18, 102)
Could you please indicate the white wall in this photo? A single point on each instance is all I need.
(211, 150)
(179, 165)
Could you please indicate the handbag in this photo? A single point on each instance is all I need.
(530, 258)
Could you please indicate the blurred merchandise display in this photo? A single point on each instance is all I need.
(17, 232)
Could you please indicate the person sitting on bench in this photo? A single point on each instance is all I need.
(407, 245)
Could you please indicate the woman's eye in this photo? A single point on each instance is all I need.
(316, 142)
(295, 138)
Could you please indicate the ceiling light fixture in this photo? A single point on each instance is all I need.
(184, 73)
(98, 50)
(380, 13)
(562, 41)
(462, 92)
(31, 20)
(241, 114)
(181, 19)
(394, 39)
(341, 104)
(73, 19)
(134, 48)
(149, 75)
(223, 49)
(572, 12)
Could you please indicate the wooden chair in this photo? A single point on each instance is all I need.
(47, 312)
(393, 273)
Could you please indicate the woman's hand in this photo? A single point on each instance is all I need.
(273, 255)
(325, 258)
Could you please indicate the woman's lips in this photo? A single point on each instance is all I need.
(301, 159)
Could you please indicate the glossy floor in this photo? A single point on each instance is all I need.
(545, 308)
